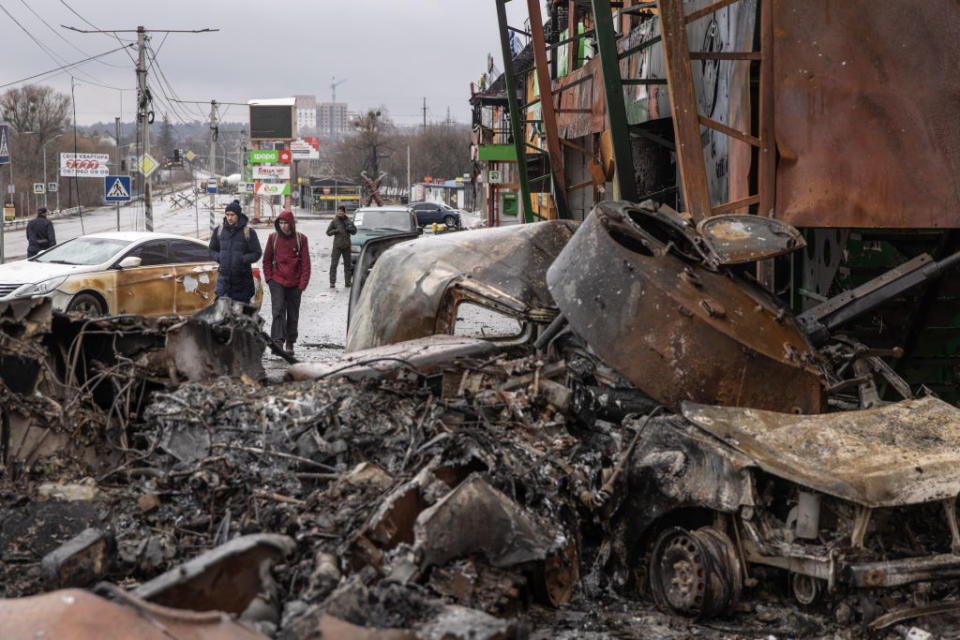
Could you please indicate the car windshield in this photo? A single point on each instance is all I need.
(84, 251)
(382, 220)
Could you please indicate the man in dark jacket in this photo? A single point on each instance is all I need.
(286, 268)
(40, 235)
(341, 228)
(235, 247)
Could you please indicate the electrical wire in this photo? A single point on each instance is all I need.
(118, 39)
(64, 67)
(50, 52)
(62, 37)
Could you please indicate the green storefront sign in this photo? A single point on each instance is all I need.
(265, 156)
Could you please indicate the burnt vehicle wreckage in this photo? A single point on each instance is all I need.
(713, 412)
(426, 484)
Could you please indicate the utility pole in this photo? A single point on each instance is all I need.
(143, 104)
(213, 161)
(424, 113)
(116, 122)
(144, 114)
(409, 192)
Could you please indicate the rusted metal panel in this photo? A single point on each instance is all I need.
(80, 615)
(675, 329)
(900, 454)
(414, 287)
(865, 115)
(226, 579)
(744, 238)
(683, 105)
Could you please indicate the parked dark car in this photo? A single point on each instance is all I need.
(430, 212)
(377, 222)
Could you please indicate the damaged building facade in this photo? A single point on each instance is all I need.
(725, 406)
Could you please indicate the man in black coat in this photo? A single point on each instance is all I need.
(40, 235)
(341, 228)
(235, 247)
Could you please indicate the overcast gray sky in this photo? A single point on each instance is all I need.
(391, 52)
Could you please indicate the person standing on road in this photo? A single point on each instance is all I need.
(40, 235)
(235, 247)
(341, 228)
(286, 268)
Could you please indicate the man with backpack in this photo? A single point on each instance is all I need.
(286, 268)
(235, 247)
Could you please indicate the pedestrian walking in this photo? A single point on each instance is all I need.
(286, 268)
(40, 234)
(341, 228)
(235, 247)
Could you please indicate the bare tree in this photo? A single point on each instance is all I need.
(36, 108)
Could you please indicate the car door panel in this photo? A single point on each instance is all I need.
(196, 276)
(148, 289)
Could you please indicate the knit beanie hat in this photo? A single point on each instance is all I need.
(234, 207)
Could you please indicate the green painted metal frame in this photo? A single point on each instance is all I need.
(616, 109)
(516, 114)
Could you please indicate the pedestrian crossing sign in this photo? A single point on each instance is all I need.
(38, 188)
(4, 145)
(116, 188)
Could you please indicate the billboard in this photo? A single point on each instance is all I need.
(305, 148)
(261, 172)
(84, 165)
(271, 122)
(269, 155)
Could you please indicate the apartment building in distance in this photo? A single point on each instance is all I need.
(332, 119)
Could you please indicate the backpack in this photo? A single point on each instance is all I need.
(273, 238)
(246, 234)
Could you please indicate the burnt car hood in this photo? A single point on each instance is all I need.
(903, 453)
(414, 287)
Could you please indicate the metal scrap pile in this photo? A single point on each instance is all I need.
(399, 490)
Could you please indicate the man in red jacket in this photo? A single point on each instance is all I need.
(286, 268)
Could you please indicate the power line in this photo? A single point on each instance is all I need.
(59, 35)
(74, 12)
(64, 67)
(50, 52)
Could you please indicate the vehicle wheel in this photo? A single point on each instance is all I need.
(87, 304)
(806, 590)
(695, 573)
(450, 221)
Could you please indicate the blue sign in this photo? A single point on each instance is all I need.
(211, 186)
(116, 188)
(4, 144)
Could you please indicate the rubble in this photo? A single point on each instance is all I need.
(456, 487)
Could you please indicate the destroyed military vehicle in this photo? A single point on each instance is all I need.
(773, 447)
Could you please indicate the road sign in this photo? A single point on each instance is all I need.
(246, 187)
(191, 155)
(147, 164)
(4, 144)
(38, 188)
(52, 187)
(212, 185)
(116, 188)
(493, 176)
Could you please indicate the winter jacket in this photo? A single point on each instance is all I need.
(40, 236)
(341, 229)
(235, 249)
(286, 259)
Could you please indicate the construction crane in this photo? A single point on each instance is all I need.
(333, 99)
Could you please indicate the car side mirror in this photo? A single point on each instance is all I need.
(129, 262)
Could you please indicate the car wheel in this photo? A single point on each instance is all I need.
(450, 221)
(695, 573)
(87, 304)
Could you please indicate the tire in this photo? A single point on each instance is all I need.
(87, 304)
(450, 221)
(695, 573)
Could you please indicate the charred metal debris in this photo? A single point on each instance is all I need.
(661, 429)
